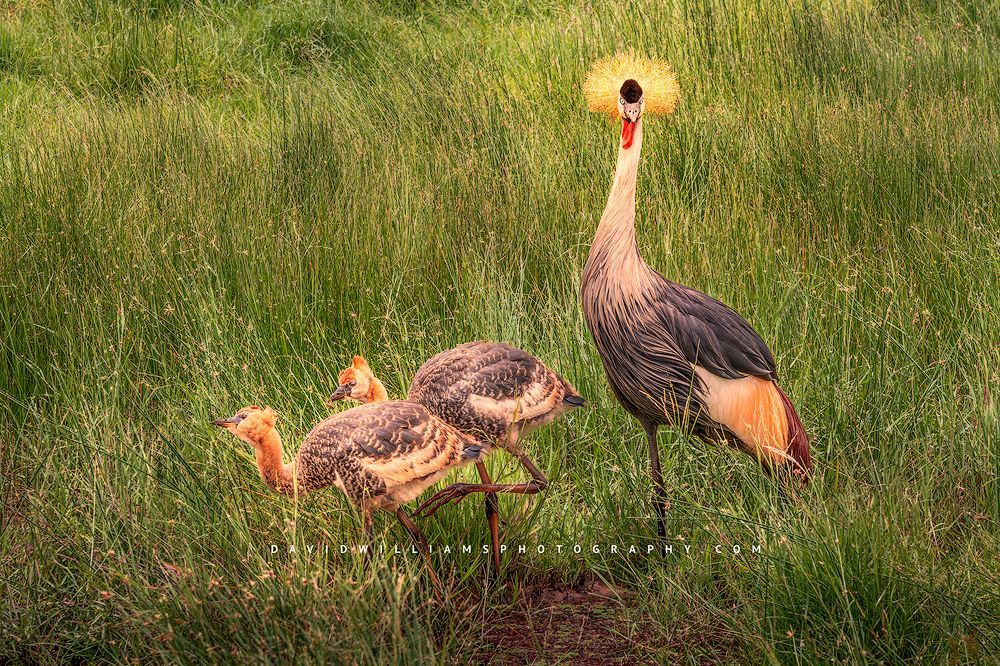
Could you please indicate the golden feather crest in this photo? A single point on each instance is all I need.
(660, 89)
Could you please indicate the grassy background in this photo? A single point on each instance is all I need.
(210, 204)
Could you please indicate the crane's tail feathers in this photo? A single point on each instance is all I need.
(475, 452)
(798, 441)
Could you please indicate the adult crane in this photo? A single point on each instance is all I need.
(673, 355)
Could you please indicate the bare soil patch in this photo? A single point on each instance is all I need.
(589, 624)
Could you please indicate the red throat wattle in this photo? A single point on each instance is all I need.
(628, 130)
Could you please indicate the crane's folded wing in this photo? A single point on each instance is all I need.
(710, 334)
(403, 442)
(489, 369)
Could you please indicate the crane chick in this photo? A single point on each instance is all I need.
(381, 455)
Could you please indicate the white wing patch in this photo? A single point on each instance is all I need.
(752, 409)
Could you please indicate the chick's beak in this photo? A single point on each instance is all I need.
(222, 423)
(342, 392)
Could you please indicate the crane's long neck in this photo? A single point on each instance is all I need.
(274, 471)
(614, 243)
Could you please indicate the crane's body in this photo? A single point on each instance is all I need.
(493, 391)
(673, 355)
(382, 455)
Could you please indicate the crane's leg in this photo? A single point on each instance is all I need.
(421, 543)
(457, 491)
(366, 518)
(492, 514)
(660, 499)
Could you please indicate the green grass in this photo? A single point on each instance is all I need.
(210, 204)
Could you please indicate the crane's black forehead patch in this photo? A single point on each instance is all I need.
(631, 91)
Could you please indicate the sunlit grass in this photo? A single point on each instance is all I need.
(207, 205)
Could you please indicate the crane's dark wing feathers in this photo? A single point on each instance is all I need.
(500, 371)
(709, 333)
(378, 430)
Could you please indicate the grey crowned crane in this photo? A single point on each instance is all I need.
(489, 390)
(673, 355)
(381, 456)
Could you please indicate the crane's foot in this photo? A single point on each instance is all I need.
(453, 493)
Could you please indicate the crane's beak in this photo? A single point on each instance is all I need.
(342, 392)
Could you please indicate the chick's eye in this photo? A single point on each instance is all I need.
(353, 384)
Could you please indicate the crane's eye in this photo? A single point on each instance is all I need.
(621, 100)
